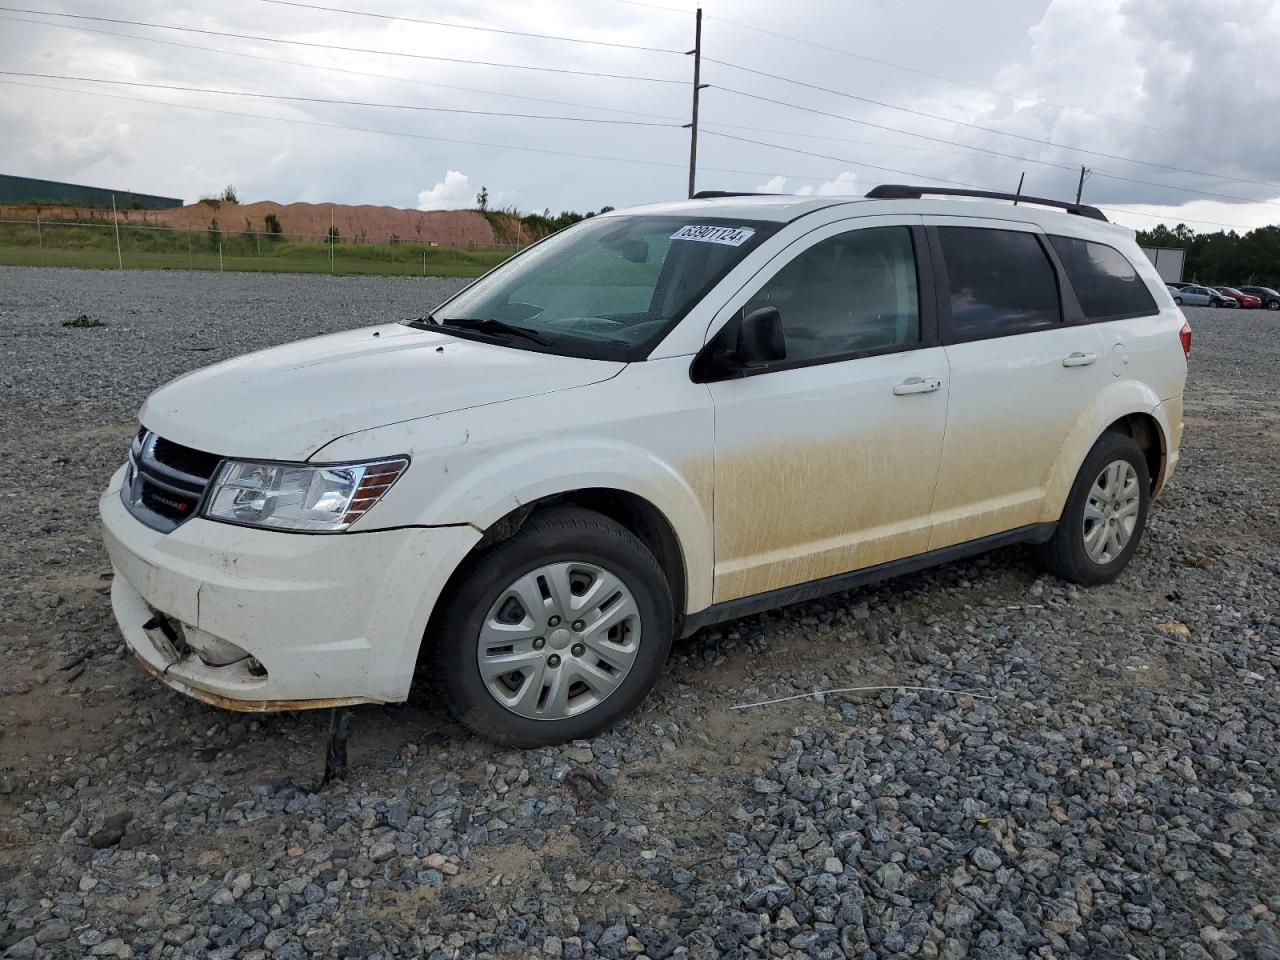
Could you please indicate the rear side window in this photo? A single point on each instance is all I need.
(1104, 280)
(1002, 282)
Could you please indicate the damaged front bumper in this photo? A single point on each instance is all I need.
(260, 620)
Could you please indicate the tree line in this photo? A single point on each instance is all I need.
(1223, 258)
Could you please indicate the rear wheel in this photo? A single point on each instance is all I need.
(1273, 304)
(1105, 515)
(554, 634)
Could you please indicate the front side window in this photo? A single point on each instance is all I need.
(849, 294)
(1106, 284)
(608, 287)
(1002, 282)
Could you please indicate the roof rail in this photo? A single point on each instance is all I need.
(717, 194)
(898, 191)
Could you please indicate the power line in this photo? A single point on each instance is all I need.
(335, 101)
(924, 73)
(1162, 218)
(504, 146)
(344, 49)
(822, 136)
(988, 150)
(855, 163)
(319, 66)
(882, 126)
(662, 80)
(468, 26)
(978, 126)
(937, 76)
(400, 133)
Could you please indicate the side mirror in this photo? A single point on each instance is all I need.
(760, 338)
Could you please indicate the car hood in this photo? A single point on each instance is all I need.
(287, 402)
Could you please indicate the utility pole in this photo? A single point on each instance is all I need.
(1084, 175)
(697, 87)
(1022, 176)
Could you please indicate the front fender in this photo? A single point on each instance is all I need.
(477, 468)
(485, 493)
(1114, 402)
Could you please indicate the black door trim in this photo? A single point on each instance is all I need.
(760, 602)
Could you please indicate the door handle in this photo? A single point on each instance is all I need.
(916, 385)
(1079, 359)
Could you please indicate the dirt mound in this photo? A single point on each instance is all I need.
(369, 223)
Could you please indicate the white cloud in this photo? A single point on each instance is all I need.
(57, 146)
(454, 192)
(1188, 66)
(844, 185)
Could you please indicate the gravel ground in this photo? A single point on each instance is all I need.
(1119, 796)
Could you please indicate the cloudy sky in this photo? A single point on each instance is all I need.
(824, 96)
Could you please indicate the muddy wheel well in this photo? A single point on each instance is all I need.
(635, 513)
(1144, 429)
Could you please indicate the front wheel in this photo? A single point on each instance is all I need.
(1178, 301)
(555, 634)
(1105, 515)
(1273, 304)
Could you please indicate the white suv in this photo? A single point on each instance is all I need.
(650, 422)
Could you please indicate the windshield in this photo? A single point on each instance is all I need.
(608, 288)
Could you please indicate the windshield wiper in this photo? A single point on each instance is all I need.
(498, 328)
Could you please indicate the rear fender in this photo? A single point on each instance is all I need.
(1114, 402)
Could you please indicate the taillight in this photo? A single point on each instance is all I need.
(1185, 336)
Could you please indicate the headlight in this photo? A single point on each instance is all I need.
(321, 499)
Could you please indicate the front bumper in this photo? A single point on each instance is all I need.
(334, 619)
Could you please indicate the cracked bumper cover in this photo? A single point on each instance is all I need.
(334, 618)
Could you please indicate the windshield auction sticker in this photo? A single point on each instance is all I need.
(705, 233)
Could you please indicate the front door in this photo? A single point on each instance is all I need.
(826, 462)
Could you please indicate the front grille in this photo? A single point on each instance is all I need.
(194, 463)
(167, 480)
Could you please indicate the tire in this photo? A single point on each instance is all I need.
(1071, 554)
(1273, 304)
(565, 554)
(1178, 301)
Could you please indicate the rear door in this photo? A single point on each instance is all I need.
(1021, 376)
(1138, 342)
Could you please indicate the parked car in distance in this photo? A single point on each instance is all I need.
(650, 422)
(1246, 301)
(1270, 298)
(1194, 295)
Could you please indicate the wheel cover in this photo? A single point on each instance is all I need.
(559, 640)
(1111, 511)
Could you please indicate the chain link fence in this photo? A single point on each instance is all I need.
(105, 245)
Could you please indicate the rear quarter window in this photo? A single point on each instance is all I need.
(1105, 282)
